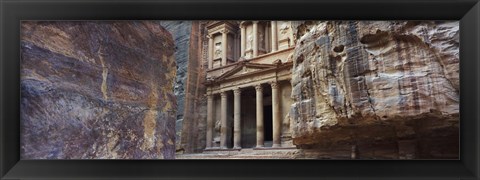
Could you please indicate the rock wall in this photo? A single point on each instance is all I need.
(376, 89)
(97, 90)
(191, 57)
(181, 32)
(195, 113)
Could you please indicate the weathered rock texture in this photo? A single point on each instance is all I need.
(195, 113)
(191, 57)
(376, 89)
(97, 90)
(181, 32)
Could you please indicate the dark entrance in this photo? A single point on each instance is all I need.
(267, 123)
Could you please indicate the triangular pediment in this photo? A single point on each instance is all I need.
(245, 68)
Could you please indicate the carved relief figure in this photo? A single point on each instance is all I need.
(261, 40)
(249, 40)
(230, 50)
(284, 28)
(218, 50)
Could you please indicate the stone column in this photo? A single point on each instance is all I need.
(274, 36)
(260, 135)
(266, 44)
(276, 115)
(224, 47)
(210, 51)
(242, 40)
(223, 120)
(209, 138)
(235, 52)
(237, 129)
(255, 38)
(353, 154)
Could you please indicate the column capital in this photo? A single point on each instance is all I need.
(208, 94)
(242, 24)
(237, 91)
(258, 87)
(255, 22)
(223, 94)
(209, 36)
(225, 31)
(274, 84)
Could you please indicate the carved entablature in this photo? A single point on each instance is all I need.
(219, 26)
(250, 74)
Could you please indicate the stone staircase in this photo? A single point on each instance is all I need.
(249, 153)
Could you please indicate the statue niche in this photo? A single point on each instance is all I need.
(261, 40)
(284, 29)
(249, 40)
(218, 50)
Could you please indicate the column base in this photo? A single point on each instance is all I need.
(260, 146)
(238, 147)
(220, 149)
(276, 145)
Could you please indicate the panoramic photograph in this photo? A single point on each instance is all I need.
(240, 89)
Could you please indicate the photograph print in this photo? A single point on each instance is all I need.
(240, 89)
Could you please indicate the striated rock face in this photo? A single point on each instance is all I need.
(181, 32)
(376, 89)
(97, 90)
(193, 131)
(191, 57)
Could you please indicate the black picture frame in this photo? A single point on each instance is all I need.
(13, 11)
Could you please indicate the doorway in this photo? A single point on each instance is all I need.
(267, 125)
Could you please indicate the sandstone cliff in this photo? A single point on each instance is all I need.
(376, 89)
(181, 32)
(96, 90)
(190, 55)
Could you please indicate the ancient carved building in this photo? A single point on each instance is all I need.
(248, 84)
(322, 90)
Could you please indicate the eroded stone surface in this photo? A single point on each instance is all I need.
(97, 90)
(389, 89)
(181, 32)
(191, 60)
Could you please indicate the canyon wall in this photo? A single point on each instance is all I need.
(97, 90)
(191, 56)
(195, 113)
(181, 32)
(376, 89)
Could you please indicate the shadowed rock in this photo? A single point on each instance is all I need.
(97, 90)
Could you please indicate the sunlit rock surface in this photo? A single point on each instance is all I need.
(97, 90)
(376, 89)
